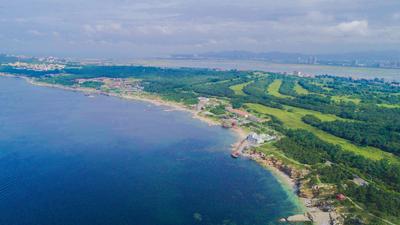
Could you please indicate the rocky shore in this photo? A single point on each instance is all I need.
(317, 211)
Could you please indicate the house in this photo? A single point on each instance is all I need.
(229, 123)
(340, 197)
(203, 101)
(237, 112)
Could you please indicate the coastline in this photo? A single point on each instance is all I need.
(292, 179)
(288, 183)
(152, 99)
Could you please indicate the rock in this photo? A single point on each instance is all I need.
(298, 218)
(282, 220)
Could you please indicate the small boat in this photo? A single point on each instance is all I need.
(235, 154)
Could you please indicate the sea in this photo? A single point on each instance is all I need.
(387, 74)
(70, 159)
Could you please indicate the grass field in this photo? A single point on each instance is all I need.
(389, 106)
(238, 89)
(322, 116)
(273, 89)
(293, 120)
(300, 90)
(343, 98)
(270, 149)
(322, 86)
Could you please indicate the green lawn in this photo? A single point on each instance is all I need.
(322, 116)
(293, 120)
(273, 89)
(270, 149)
(344, 98)
(238, 89)
(389, 105)
(322, 86)
(300, 90)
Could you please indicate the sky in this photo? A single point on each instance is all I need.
(157, 28)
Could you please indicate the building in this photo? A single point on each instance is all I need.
(201, 105)
(297, 73)
(238, 112)
(257, 139)
(229, 123)
(340, 197)
(253, 118)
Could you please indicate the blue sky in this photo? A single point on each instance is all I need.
(148, 28)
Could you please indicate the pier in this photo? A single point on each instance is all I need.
(239, 148)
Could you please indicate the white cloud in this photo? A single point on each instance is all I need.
(35, 33)
(173, 26)
(106, 27)
(356, 27)
(396, 16)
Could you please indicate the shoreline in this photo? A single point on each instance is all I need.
(152, 99)
(291, 178)
(287, 182)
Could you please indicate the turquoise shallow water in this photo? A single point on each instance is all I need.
(69, 159)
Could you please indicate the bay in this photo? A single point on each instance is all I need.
(68, 159)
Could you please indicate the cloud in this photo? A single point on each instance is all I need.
(115, 28)
(103, 27)
(356, 27)
(35, 33)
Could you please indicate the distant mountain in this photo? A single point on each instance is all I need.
(294, 57)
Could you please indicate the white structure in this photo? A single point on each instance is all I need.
(37, 67)
(203, 101)
(254, 138)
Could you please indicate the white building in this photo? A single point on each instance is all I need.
(255, 138)
(203, 101)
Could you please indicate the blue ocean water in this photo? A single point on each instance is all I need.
(66, 159)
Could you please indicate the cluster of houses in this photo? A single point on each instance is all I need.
(243, 114)
(37, 66)
(126, 85)
(239, 117)
(203, 102)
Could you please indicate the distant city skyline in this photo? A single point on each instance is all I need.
(154, 28)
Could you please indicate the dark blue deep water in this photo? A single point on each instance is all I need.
(66, 159)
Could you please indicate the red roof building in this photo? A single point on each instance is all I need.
(340, 197)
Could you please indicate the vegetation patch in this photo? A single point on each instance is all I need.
(293, 119)
(273, 89)
(338, 98)
(390, 106)
(238, 89)
(300, 90)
